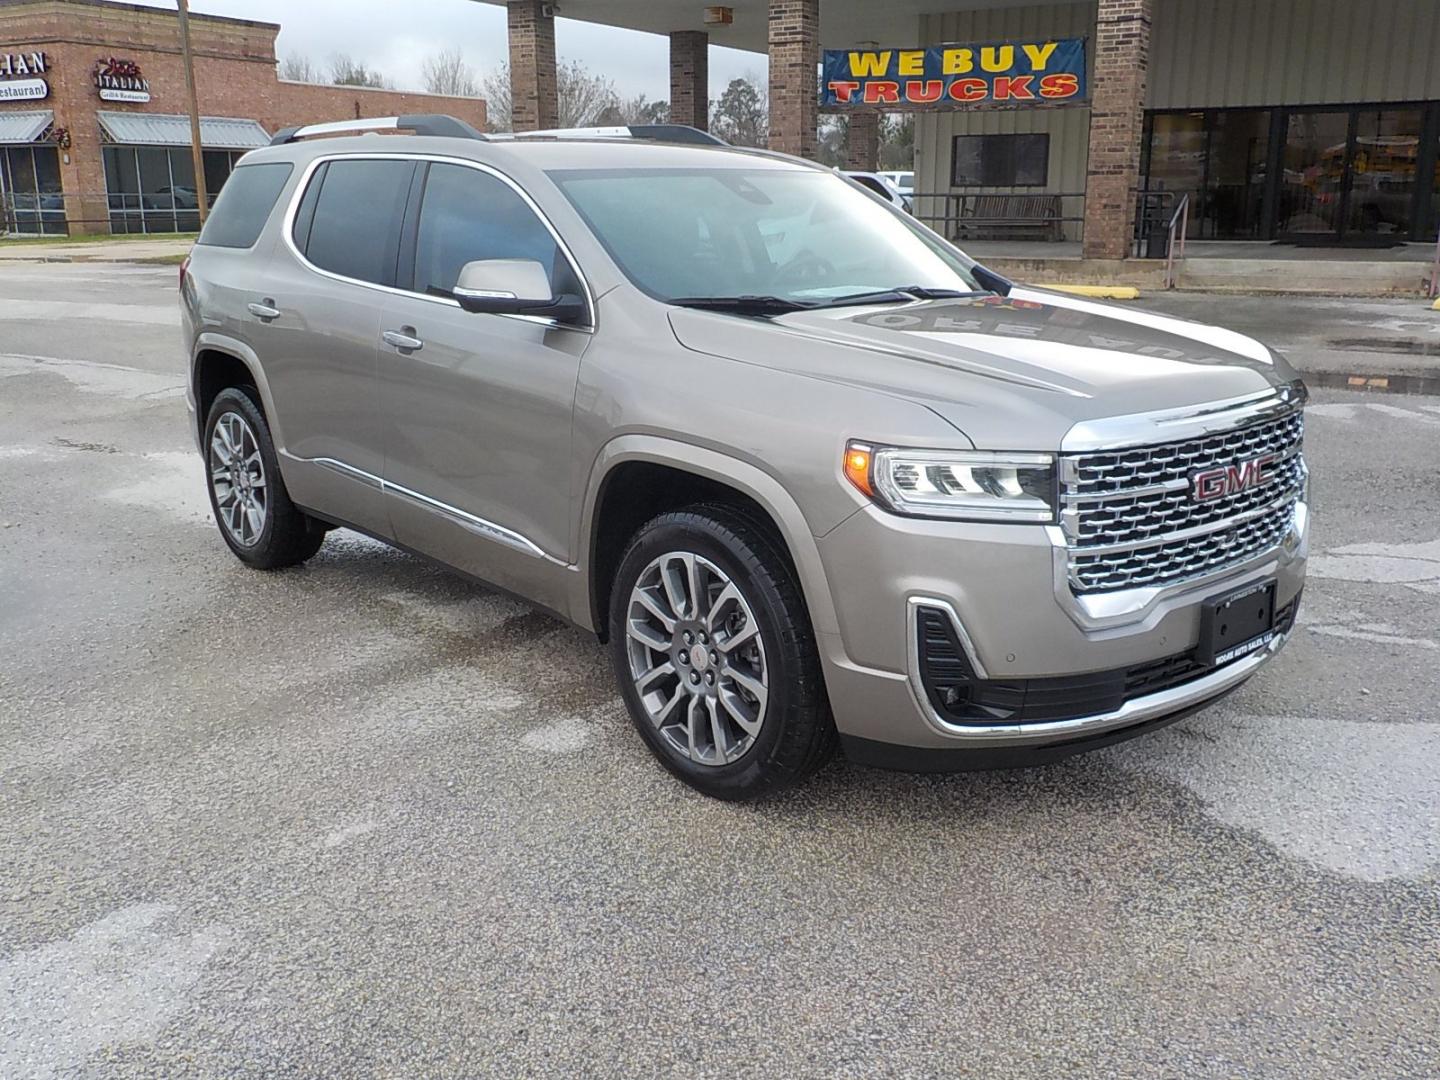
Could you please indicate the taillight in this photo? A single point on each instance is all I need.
(184, 268)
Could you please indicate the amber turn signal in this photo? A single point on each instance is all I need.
(857, 467)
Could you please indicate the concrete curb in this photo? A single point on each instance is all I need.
(1099, 292)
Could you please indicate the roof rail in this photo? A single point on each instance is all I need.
(671, 133)
(432, 124)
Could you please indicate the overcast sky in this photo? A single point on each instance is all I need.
(398, 36)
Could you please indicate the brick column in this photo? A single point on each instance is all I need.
(794, 75)
(534, 97)
(1117, 104)
(690, 78)
(862, 141)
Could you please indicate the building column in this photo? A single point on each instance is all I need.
(862, 141)
(82, 181)
(1117, 114)
(794, 76)
(534, 96)
(690, 78)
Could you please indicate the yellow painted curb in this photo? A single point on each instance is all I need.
(1101, 292)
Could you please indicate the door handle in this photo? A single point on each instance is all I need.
(265, 311)
(403, 339)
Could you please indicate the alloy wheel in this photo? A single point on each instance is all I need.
(237, 477)
(696, 658)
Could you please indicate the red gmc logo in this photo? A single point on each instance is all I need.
(1233, 479)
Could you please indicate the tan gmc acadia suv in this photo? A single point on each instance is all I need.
(816, 476)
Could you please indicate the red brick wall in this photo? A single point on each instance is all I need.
(534, 100)
(235, 76)
(862, 141)
(794, 75)
(1117, 104)
(690, 78)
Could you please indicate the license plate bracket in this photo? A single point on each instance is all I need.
(1236, 624)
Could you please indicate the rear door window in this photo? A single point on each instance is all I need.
(468, 215)
(354, 228)
(245, 204)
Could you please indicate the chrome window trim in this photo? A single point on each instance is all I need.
(293, 210)
(482, 527)
(1190, 422)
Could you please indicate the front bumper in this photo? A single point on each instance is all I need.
(1006, 590)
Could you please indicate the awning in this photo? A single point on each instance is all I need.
(156, 129)
(24, 127)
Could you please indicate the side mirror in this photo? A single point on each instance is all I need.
(513, 287)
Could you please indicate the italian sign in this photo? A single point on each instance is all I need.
(121, 80)
(1018, 73)
(20, 76)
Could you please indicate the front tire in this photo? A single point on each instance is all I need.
(253, 510)
(715, 656)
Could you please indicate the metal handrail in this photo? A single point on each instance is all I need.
(1180, 217)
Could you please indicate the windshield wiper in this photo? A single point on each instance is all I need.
(899, 295)
(743, 305)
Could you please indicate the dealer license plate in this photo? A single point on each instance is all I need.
(1236, 625)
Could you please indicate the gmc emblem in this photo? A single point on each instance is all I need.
(1233, 479)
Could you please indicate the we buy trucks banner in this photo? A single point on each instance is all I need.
(1014, 74)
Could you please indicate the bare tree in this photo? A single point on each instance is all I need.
(584, 98)
(346, 71)
(298, 68)
(448, 73)
(495, 89)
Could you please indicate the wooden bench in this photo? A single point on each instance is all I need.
(1009, 217)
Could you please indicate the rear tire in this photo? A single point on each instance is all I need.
(252, 509)
(727, 690)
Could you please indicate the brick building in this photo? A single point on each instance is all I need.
(94, 126)
(1309, 120)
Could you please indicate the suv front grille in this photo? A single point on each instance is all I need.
(1131, 518)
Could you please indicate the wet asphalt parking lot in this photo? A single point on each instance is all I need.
(366, 819)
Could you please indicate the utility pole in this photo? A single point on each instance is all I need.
(201, 196)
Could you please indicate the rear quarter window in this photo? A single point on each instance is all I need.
(245, 204)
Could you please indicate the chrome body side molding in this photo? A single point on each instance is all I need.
(479, 526)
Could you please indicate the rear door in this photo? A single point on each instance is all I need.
(478, 414)
(320, 310)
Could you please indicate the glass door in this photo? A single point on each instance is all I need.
(1315, 172)
(1384, 167)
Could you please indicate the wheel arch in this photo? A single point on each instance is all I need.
(218, 362)
(688, 474)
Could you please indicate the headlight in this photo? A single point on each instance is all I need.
(968, 485)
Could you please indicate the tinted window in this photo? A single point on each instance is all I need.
(356, 227)
(1000, 160)
(468, 215)
(245, 204)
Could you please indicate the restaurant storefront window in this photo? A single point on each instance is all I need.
(151, 189)
(31, 201)
(1335, 173)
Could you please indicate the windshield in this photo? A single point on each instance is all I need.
(792, 234)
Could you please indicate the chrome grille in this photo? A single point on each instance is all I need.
(1130, 517)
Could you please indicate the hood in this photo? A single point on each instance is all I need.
(1010, 372)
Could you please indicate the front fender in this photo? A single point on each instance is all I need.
(722, 468)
